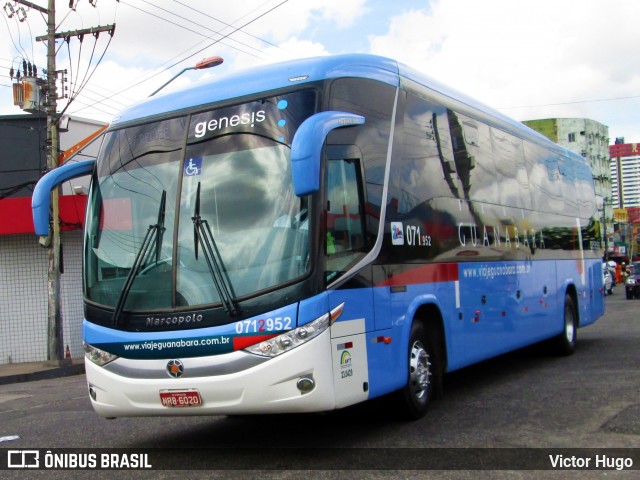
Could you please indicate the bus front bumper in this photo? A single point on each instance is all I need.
(281, 384)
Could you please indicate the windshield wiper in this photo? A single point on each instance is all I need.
(202, 236)
(154, 232)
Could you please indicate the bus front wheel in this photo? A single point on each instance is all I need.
(424, 378)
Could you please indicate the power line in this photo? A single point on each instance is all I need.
(85, 80)
(144, 79)
(200, 12)
(102, 95)
(190, 29)
(571, 103)
(93, 105)
(20, 40)
(10, 34)
(234, 31)
(153, 75)
(83, 85)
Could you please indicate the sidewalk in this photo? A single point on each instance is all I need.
(30, 371)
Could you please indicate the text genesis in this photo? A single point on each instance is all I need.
(201, 128)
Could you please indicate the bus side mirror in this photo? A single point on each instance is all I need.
(41, 198)
(306, 147)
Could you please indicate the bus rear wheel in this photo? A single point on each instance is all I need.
(424, 380)
(565, 343)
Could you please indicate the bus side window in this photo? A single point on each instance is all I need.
(568, 181)
(427, 157)
(473, 155)
(464, 160)
(511, 169)
(543, 179)
(584, 190)
(345, 232)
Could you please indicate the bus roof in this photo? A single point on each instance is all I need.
(271, 77)
(263, 78)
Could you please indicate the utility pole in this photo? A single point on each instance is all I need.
(54, 305)
(55, 343)
(54, 309)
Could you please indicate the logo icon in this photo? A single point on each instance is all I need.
(175, 368)
(193, 167)
(345, 359)
(23, 459)
(397, 236)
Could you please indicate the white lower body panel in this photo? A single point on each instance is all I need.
(270, 387)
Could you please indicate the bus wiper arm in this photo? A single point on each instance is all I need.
(154, 232)
(203, 237)
(160, 225)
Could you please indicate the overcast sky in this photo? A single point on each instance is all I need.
(529, 59)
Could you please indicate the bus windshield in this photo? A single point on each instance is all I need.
(207, 222)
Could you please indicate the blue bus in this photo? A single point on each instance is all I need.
(305, 236)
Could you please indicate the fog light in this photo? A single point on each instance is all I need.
(92, 393)
(306, 384)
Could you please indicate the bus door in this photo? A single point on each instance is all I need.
(344, 245)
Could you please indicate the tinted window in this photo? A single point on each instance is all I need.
(511, 170)
(584, 190)
(374, 101)
(473, 155)
(567, 179)
(546, 191)
(135, 187)
(427, 168)
(345, 237)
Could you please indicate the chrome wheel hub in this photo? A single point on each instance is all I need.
(569, 328)
(419, 370)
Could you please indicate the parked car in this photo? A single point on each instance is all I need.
(607, 280)
(632, 282)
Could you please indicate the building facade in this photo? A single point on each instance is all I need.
(625, 174)
(23, 262)
(625, 189)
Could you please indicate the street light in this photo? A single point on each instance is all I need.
(206, 63)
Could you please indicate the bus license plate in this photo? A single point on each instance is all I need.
(175, 398)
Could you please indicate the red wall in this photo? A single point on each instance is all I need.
(15, 214)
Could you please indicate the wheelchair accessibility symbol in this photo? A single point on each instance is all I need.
(193, 167)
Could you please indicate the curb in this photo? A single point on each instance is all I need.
(45, 374)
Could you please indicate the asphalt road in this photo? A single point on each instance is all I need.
(528, 399)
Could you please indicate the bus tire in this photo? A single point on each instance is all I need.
(565, 343)
(424, 382)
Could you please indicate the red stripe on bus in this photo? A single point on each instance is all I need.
(240, 343)
(433, 273)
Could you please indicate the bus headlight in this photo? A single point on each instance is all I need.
(97, 356)
(293, 338)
